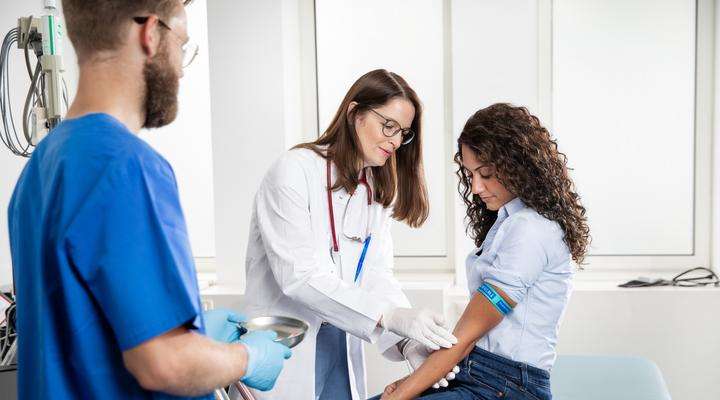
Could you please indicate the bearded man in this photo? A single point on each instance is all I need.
(107, 296)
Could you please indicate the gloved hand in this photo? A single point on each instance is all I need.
(424, 326)
(416, 353)
(265, 359)
(221, 325)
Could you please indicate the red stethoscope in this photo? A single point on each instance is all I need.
(335, 246)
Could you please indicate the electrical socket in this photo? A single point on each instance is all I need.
(27, 26)
(208, 305)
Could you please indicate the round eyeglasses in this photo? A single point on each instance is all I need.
(390, 128)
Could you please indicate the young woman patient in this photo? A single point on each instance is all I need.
(528, 225)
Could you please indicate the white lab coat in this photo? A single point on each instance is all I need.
(290, 271)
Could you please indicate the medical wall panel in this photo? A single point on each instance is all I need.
(187, 142)
(623, 90)
(406, 37)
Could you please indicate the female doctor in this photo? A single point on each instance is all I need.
(320, 248)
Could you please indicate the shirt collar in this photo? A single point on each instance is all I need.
(512, 206)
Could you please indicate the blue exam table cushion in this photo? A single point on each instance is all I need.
(607, 377)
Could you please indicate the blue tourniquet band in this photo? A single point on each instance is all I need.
(495, 298)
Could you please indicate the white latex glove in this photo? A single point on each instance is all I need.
(416, 353)
(423, 326)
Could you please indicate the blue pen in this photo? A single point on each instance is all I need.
(358, 270)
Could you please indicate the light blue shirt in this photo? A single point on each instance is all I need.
(524, 255)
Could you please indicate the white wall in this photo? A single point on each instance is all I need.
(258, 83)
(187, 142)
(623, 110)
(715, 188)
(413, 51)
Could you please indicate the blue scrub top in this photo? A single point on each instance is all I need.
(101, 260)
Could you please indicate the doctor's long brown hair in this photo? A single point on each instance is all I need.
(401, 181)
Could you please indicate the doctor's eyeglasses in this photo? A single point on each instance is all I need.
(390, 128)
(190, 49)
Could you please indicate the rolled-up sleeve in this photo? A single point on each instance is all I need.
(520, 258)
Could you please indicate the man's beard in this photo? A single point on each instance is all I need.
(161, 91)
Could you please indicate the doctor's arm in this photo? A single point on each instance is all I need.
(285, 225)
(479, 317)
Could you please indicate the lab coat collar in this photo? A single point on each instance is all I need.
(368, 177)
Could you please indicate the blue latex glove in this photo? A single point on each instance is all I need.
(221, 325)
(265, 359)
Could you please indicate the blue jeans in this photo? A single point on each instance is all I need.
(484, 375)
(332, 381)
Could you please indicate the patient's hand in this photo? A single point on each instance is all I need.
(389, 389)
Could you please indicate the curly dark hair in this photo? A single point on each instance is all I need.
(529, 165)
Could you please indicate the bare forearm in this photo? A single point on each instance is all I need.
(207, 365)
(185, 363)
(431, 371)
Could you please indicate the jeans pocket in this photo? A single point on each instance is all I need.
(486, 384)
(519, 392)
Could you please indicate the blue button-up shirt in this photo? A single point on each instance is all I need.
(524, 255)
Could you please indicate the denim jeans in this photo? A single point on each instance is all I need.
(332, 381)
(484, 375)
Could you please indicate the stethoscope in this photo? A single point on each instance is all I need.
(335, 250)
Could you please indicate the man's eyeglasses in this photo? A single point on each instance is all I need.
(190, 49)
(390, 128)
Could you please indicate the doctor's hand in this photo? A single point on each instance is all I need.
(265, 359)
(416, 353)
(221, 325)
(423, 326)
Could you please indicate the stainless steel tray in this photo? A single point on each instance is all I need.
(290, 331)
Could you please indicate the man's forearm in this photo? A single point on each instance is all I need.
(185, 363)
(207, 365)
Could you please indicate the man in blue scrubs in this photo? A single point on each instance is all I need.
(107, 298)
